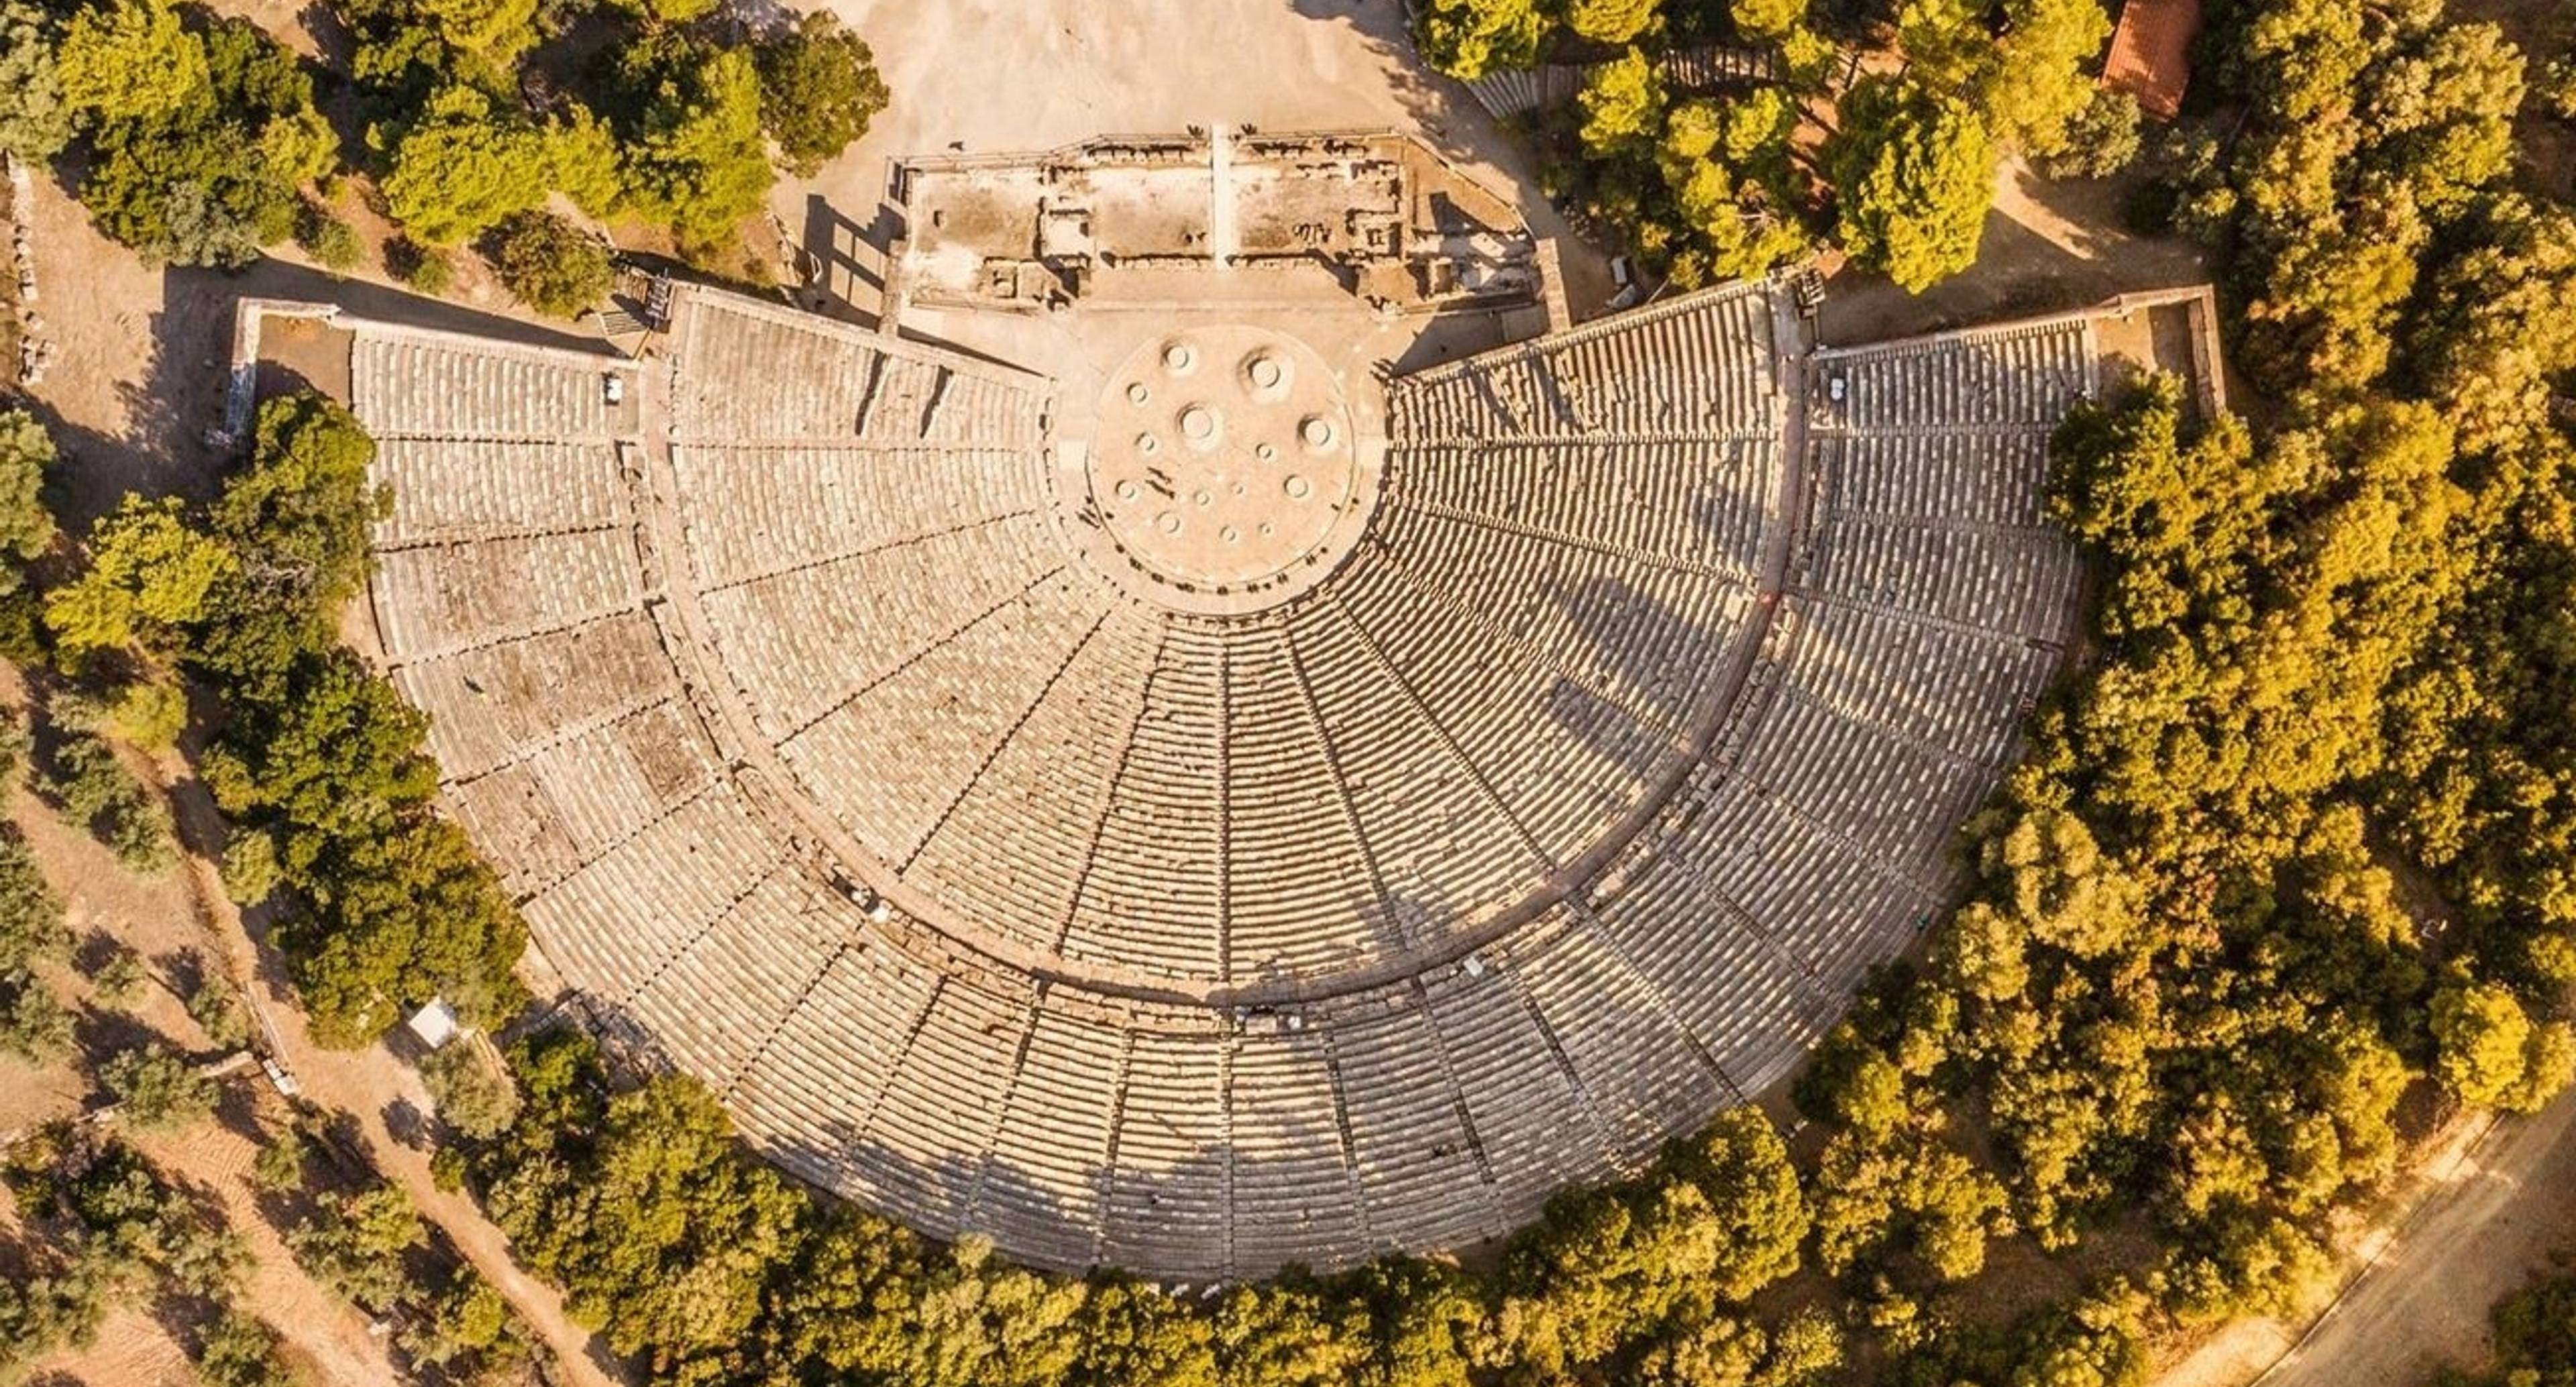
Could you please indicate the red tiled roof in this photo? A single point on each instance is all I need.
(2151, 53)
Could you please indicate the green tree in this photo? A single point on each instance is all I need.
(249, 866)
(472, 1097)
(131, 60)
(494, 33)
(1623, 105)
(355, 1244)
(34, 1024)
(2024, 63)
(147, 708)
(1914, 173)
(2555, 89)
(696, 158)
(666, 1235)
(462, 165)
(551, 264)
(469, 1318)
(279, 1166)
(217, 1008)
(199, 159)
(241, 1351)
(148, 576)
(305, 503)
(2100, 140)
(1290, 1332)
(120, 976)
(1767, 20)
(1468, 39)
(1132, 1333)
(819, 88)
(31, 910)
(338, 758)
(2490, 1052)
(96, 790)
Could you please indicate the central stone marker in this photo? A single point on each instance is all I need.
(1226, 472)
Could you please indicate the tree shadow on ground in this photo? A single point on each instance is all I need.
(176, 396)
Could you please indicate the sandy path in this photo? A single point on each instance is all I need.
(364, 1084)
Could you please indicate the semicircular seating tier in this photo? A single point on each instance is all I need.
(1567, 811)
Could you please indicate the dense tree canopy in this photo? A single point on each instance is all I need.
(465, 164)
(132, 61)
(200, 140)
(1470, 38)
(2024, 65)
(148, 574)
(1913, 172)
(689, 121)
(1609, 21)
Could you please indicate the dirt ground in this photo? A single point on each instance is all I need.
(382, 1093)
(993, 75)
(157, 918)
(2047, 246)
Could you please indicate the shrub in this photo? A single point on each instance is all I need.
(424, 268)
(335, 246)
(217, 1009)
(120, 976)
(475, 1099)
(33, 1022)
(550, 264)
(250, 866)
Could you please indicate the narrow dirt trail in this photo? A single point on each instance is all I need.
(365, 1084)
